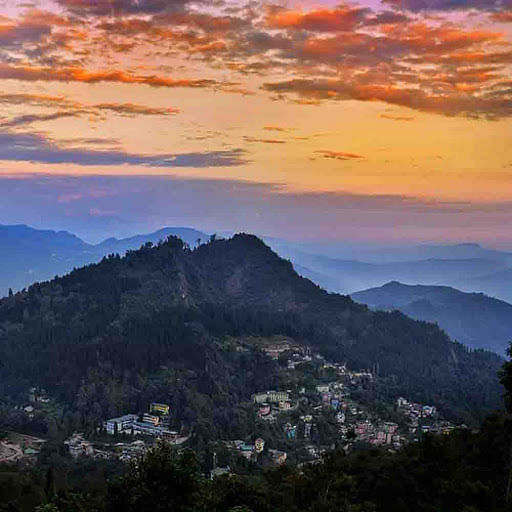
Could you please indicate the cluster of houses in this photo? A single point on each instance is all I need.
(153, 423)
(281, 346)
(272, 402)
(128, 451)
(80, 447)
(354, 423)
(415, 410)
(378, 433)
(250, 451)
(38, 395)
(37, 398)
(423, 418)
(297, 354)
(332, 395)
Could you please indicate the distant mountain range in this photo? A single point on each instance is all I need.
(381, 253)
(28, 255)
(474, 269)
(475, 319)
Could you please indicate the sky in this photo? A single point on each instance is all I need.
(379, 121)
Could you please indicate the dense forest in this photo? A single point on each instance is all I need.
(152, 325)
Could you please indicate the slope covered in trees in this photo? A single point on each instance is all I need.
(96, 338)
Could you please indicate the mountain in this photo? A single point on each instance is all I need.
(350, 276)
(475, 319)
(318, 278)
(457, 252)
(188, 235)
(116, 333)
(347, 268)
(498, 284)
(382, 253)
(28, 255)
(476, 269)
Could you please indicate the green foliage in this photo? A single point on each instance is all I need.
(162, 481)
(506, 379)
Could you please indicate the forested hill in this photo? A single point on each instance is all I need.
(170, 306)
(474, 319)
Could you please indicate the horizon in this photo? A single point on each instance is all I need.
(375, 245)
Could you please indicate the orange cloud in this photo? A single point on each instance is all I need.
(456, 103)
(468, 58)
(396, 118)
(38, 33)
(343, 18)
(338, 155)
(156, 32)
(445, 5)
(307, 56)
(275, 129)
(207, 23)
(121, 7)
(60, 101)
(502, 17)
(27, 73)
(34, 118)
(134, 109)
(264, 141)
(70, 108)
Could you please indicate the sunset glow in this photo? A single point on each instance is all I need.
(405, 104)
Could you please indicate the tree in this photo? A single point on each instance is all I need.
(506, 380)
(49, 486)
(163, 480)
(351, 435)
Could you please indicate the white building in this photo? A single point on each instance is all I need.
(117, 425)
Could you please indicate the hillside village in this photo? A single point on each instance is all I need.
(298, 424)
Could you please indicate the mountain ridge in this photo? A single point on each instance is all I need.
(475, 319)
(34, 255)
(28, 255)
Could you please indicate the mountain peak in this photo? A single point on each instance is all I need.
(469, 245)
(393, 284)
(250, 240)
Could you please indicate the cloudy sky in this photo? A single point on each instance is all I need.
(372, 121)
